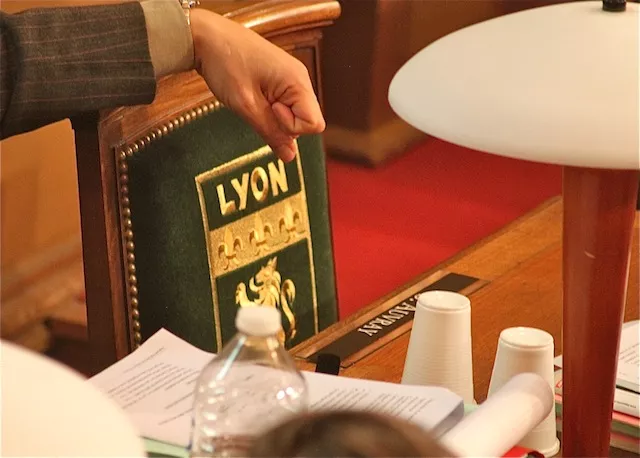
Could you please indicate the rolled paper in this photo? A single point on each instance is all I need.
(498, 424)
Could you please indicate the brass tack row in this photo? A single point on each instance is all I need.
(123, 155)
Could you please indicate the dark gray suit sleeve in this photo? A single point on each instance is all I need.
(56, 63)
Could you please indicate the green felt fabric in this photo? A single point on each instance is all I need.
(172, 265)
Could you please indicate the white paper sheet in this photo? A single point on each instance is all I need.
(629, 358)
(155, 385)
(628, 376)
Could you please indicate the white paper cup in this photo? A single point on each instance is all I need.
(439, 352)
(523, 349)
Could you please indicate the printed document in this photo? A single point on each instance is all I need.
(155, 386)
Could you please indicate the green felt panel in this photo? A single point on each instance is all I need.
(170, 211)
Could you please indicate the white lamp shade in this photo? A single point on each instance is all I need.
(556, 84)
(49, 410)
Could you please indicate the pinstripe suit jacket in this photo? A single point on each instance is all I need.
(58, 62)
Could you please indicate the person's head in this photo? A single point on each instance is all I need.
(346, 434)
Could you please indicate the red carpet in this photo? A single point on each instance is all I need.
(393, 223)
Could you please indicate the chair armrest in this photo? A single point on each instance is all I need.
(278, 17)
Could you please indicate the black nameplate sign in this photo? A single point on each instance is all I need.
(392, 318)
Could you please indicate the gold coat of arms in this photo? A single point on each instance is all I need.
(256, 222)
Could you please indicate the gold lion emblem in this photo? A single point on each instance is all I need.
(267, 285)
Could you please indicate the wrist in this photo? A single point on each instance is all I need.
(196, 24)
(203, 31)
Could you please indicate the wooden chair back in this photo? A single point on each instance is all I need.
(167, 243)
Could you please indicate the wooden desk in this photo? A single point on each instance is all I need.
(520, 284)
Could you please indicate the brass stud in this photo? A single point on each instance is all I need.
(131, 257)
(136, 325)
(123, 166)
(135, 148)
(125, 201)
(181, 120)
(165, 130)
(133, 279)
(170, 126)
(122, 156)
(158, 133)
(128, 234)
(129, 151)
(147, 139)
(205, 108)
(141, 144)
(176, 123)
(127, 213)
(193, 114)
(135, 313)
(153, 135)
(199, 111)
(134, 302)
(134, 290)
(212, 106)
(137, 337)
(132, 268)
(130, 246)
(127, 222)
(187, 117)
(124, 190)
(124, 178)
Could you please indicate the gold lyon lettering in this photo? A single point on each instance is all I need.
(242, 189)
(278, 177)
(259, 184)
(226, 208)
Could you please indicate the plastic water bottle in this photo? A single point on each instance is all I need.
(252, 385)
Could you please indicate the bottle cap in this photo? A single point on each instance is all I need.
(258, 321)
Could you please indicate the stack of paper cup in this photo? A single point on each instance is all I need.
(439, 352)
(521, 350)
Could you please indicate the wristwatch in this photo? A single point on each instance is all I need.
(186, 7)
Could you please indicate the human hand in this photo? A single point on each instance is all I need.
(265, 85)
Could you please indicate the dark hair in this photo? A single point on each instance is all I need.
(346, 434)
